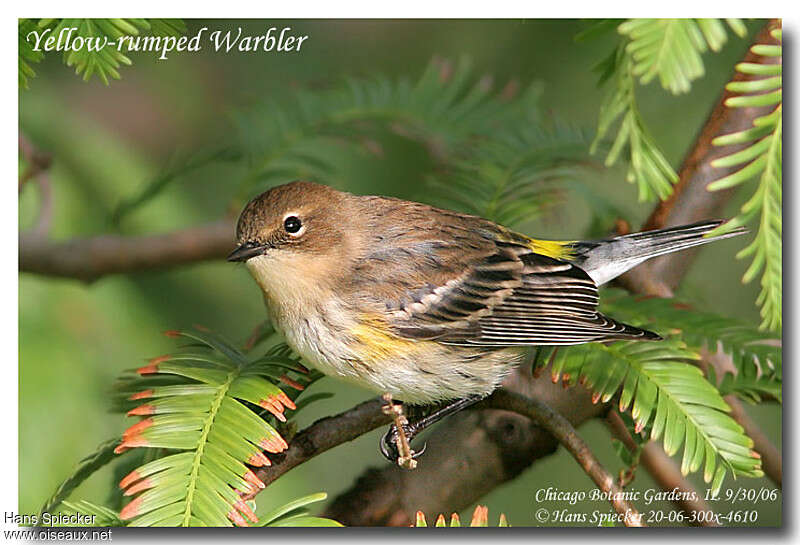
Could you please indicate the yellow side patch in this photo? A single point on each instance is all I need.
(377, 342)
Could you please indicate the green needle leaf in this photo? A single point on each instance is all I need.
(760, 160)
(208, 415)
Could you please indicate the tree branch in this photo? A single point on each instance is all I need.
(474, 446)
(664, 471)
(466, 457)
(690, 200)
(91, 258)
(771, 459)
(560, 428)
(322, 435)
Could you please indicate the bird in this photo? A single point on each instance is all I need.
(429, 306)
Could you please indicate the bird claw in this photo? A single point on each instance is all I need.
(392, 443)
(395, 444)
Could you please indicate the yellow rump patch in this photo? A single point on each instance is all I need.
(557, 249)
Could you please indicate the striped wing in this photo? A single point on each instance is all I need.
(513, 297)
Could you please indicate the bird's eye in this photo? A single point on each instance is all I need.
(292, 224)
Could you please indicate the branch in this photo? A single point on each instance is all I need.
(507, 430)
(37, 161)
(690, 200)
(560, 428)
(323, 435)
(771, 459)
(664, 471)
(466, 457)
(38, 165)
(91, 258)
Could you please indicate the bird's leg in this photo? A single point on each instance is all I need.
(395, 445)
(402, 452)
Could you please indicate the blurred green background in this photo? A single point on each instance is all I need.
(110, 142)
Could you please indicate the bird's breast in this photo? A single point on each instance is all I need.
(361, 348)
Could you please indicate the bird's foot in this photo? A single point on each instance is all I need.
(391, 445)
(396, 444)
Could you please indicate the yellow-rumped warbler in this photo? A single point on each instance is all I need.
(423, 303)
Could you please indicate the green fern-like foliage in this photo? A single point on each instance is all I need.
(205, 418)
(202, 404)
(303, 136)
(293, 514)
(522, 170)
(648, 167)
(88, 61)
(671, 49)
(664, 388)
(27, 55)
(180, 169)
(99, 515)
(761, 159)
(85, 468)
(516, 176)
(307, 134)
(661, 388)
(629, 455)
(756, 355)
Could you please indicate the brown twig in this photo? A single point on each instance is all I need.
(37, 161)
(323, 435)
(771, 459)
(690, 200)
(91, 258)
(664, 471)
(332, 431)
(38, 165)
(560, 428)
(470, 454)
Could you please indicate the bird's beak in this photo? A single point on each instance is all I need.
(246, 251)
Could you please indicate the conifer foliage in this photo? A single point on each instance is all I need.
(209, 414)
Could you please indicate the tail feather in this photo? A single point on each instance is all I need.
(630, 333)
(604, 260)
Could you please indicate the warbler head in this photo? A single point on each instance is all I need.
(294, 234)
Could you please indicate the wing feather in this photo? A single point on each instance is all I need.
(511, 297)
